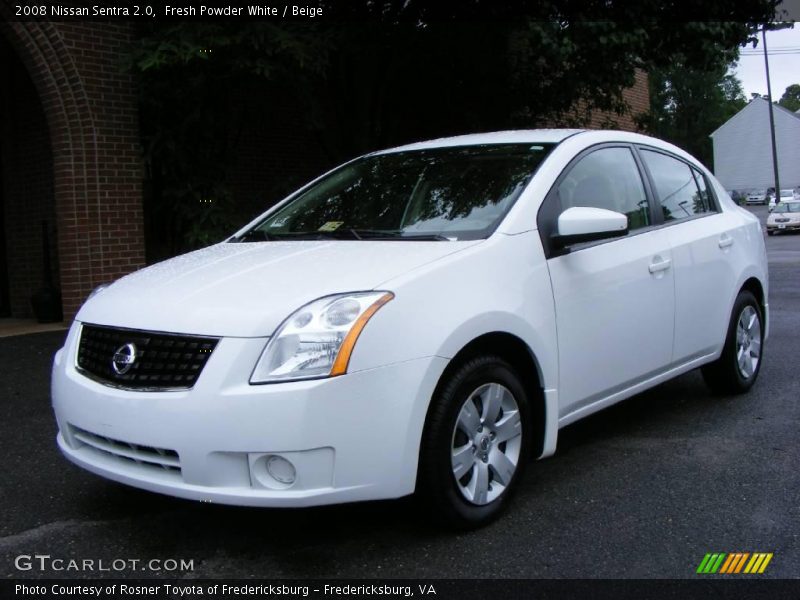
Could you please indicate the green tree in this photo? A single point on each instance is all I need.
(687, 103)
(196, 82)
(791, 98)
(392, 71)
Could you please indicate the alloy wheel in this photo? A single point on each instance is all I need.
(486, 443)
(748, 341)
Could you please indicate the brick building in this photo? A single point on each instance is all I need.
(70, 162)
(636, 97)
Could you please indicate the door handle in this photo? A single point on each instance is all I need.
(725, 241)
(659, 264)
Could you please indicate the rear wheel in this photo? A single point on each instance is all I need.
(737, 368)
(476, 442)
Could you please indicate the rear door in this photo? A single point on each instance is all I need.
(703, 242)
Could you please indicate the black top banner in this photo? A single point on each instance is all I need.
(409, 11)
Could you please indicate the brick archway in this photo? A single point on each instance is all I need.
(90, 108)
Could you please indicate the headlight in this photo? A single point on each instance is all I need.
(317, 340)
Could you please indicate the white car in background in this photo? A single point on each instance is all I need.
(424, 318)
(786, 195)
(785, 217)
(757, 197)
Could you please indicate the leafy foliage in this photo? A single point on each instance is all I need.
(690, 98)
(791, 98)
(193, 79)
(687, 104)
(386, 72)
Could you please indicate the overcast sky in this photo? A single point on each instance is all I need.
(784, 63)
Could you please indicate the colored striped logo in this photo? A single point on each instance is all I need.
(735, 562)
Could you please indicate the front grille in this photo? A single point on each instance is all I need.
(145, 456)
(158, 361)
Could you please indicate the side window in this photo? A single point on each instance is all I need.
(677, 186)
(705, 196)
(607, 178)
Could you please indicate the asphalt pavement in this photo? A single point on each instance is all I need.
(642, 490)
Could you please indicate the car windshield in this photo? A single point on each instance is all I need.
(788, 207)
(458, 193)
(787, 193)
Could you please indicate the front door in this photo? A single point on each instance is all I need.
(614, 300)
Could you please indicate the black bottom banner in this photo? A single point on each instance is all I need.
(441, 589)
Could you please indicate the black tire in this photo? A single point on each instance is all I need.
(436, 482)
(724, 375)
(770, 232)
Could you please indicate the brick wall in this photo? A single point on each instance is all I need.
(90, 108)
(637, 99)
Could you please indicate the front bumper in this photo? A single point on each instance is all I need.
(791, 226)
(349, 438)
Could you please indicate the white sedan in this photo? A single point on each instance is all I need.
(425, 318)
(785, 196)
(785, 217)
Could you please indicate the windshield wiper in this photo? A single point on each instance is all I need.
(363, 235)
(259, 235)
(254, 235)
(424, 237)
(396, 234)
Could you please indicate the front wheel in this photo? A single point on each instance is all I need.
(736, 370)
(476, 442)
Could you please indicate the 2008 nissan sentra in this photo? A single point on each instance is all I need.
(424, 318)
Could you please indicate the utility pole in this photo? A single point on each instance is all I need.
(771, 118)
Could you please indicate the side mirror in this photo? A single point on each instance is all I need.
(588, 224)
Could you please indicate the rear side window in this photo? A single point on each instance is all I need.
(681, 189)
(705, 197)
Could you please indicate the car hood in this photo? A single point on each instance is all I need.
(783, 215)
(248, 289)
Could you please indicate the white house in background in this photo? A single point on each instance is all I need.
(743, 150)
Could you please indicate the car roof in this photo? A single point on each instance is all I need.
(538, 136)
(516, 136)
